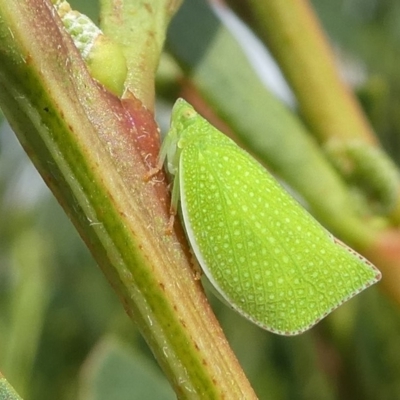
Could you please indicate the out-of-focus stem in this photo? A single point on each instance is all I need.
(294, 35)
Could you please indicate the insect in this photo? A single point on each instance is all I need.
(104, 58)
(263, 253)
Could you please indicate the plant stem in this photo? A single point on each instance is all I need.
(293, 33)
(94, 152)
(139, 27)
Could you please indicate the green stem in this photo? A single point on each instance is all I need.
(93, 152)
(139, 27)
(293, 34)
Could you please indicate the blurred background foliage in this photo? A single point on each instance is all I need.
(63, 333)
(368, 33)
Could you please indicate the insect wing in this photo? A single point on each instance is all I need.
(267, 257)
